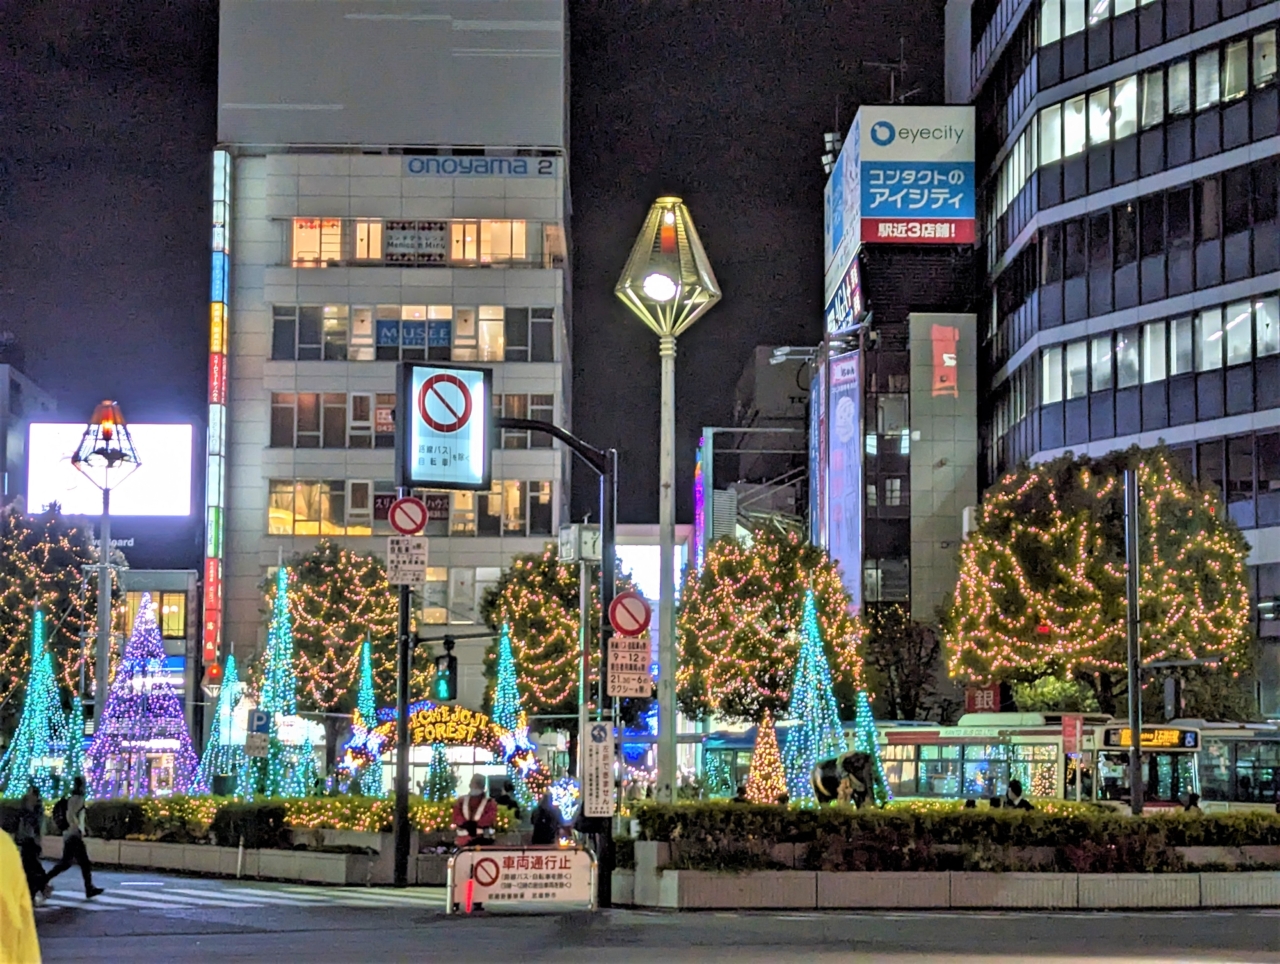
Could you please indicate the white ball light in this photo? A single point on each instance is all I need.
(659, 287)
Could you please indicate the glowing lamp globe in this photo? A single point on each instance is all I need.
(106, 455)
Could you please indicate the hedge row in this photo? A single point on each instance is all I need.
(715, 835)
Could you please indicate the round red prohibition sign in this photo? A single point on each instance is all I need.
(629, 614)
(449, 397)
(486, 872)
(407, 516)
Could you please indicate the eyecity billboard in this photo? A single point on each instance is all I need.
(904, 176)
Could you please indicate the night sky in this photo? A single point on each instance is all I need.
(108, 123)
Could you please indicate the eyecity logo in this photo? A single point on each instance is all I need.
(882, 133)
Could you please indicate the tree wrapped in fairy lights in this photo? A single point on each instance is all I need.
(223, 757)
(370, 776)
(41, 738)
(441, 783)
(141, 746)
(766, 780)
(536, 597)
(507, 713)
(1041, 591)
(339, 600)
(73, 761)
(816, 733)
(865, 740)
(736, 622)
(286, 770)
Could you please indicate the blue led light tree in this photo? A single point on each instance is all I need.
(816, 733)
(864, 741)
(141, 746)
(507, 712)
(370, 778)
(73, 762)
(41, 735)
(223, 758)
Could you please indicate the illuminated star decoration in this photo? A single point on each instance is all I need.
(142, 720)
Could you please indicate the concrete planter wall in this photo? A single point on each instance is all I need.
(873, 889)
(624, 886)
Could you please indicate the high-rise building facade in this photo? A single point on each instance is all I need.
(390, 185)
(1129, 241)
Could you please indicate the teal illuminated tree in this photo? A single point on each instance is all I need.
(370, 778)
(507, 711)
(864, 741)
(141, 746)
(441, 781)
(223, 758)
(73, 762)
(41, 735)
(816, 734)
(286, 771)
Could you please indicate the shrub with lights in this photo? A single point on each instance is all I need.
(1041, 591)
(141, 746)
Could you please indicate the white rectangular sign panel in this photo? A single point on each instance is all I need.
(406, 560)
(629, 658)
(443, 441)
(533, 877)
(597, 771)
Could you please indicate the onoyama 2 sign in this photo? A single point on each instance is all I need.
(445, 440)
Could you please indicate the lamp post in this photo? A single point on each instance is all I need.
(669, 284)
(106, 457)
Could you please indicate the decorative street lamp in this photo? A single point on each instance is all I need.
(106, 457)
(668, 282)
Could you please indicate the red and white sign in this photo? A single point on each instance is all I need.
(444, 402)
(407, 516)
(982, 699)
(1072, 729)
(629, 614)
(533, 877)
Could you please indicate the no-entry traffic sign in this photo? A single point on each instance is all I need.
(629, 614)
(444, 402)
(407, 516)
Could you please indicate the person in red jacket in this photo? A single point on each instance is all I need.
(474, 815)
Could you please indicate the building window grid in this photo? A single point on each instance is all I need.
(481, 242)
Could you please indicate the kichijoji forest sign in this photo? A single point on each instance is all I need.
(434, 723)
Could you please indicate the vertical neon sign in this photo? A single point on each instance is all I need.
(699, 509)
(215, 464)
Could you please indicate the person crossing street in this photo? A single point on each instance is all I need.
(70, 820)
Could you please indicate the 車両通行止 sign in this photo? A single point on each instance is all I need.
(443, 441)
(527, 878)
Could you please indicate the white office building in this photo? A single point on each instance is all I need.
(390, 185)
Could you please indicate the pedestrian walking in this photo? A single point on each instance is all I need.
(18, 943)
(70, 820)
(546, 821)
(30, 829)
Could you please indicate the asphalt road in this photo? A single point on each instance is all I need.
(159, 917)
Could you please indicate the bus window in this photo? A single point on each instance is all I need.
(939, 771)
(986, 770)
(1086, 778)
(1215, 770)
(900, 769)
(1257, 772)
(1113, 776)
(1036, 767)
(1169, 776)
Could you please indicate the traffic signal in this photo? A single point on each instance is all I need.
(445, 687)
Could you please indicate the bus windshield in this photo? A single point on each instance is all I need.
(1167, 777)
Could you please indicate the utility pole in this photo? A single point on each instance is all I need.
(1132, 626)
(404, 664)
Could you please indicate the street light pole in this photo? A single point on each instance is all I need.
(103, 658)
(669, 284)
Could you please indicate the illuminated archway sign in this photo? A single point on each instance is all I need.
(436, 723)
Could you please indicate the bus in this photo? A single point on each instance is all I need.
(1231, 766)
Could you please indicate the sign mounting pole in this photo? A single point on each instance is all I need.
(404, 663)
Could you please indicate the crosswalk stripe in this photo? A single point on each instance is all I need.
(381, 900)
(72, 902)
(155, 900)
(373, 895)
(254, 897)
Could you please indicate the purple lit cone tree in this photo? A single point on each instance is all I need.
(141, 746)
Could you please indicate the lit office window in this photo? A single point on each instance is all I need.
(1051, 134)
(1266, 313)
(1050, 21)
(368, 239)
(1126, 358)
(1099, 117)
(1100, 349)
(1180, 357)
(1235, 70)
(1073, 18)
(1264, 57)
(1073, 126)
(1239, 329)
(1155, 359)
(1125, 104)
(1152, 98)
(1051, 375)
(1208, 89)
(1209, 340)
(1179, 84)
(1077, 369)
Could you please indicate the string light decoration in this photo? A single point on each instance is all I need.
(817, 733)
(737, 655)
(370, 780)
(566, 796)
(1041, 590)
(508, 715)
(865, 740)
(286, 771)
(441, 782)
(35, 753)
(716, 779)
(766, 781)
(223, 757)
(537, 599)
(40, 567)
(73, 762)
(141, 746)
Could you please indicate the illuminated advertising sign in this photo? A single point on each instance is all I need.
(844, 471)
(700, 508)
(905, 176)
(443, 443)
(844, 310)
(160, 486)
(1153, 738)
(818, 454)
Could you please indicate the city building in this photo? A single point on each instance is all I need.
(389, 185)
(1130, 244)
(22, 402)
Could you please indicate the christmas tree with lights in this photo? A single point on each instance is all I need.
(370, 777)
(766, 781)
(507, 712)
(441, 782)
(286, 771)
(865, 741)
(41, 736)
(141, 746)
(73, 762)
(222, 757)
(817, 733)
